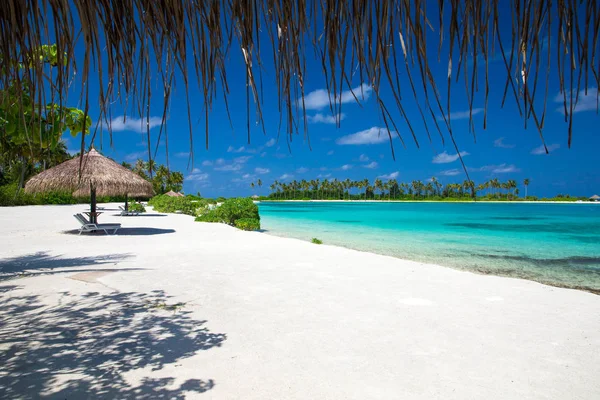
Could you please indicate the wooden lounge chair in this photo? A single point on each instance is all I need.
(125, 212)
(87, 226)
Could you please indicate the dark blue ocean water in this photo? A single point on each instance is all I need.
(557, 244)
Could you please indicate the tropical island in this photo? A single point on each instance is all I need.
(413, 243)
(432, 190)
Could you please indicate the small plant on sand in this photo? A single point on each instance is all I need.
(239, 212)
(185, 205)
(247, 224)
(316, 241)
(134, 206)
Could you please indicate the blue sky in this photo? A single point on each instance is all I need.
(359, 148)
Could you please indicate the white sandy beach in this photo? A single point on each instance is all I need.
(262, 317)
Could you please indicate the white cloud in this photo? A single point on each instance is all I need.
(182, 154)
(302, 170)
(207, 163)
(263, 154)
(371, 165)
(500, 143)
(323, 169)
(319, 99)
(244, 179)
(271, 143)
(236, 164)
(232, 149)
(241, 160)
(393, 175)
(330, 153)
(325, 119)
(444, 158)
(504, 168)
(323, 176)
(346, 167)
(136, 155)
(259, 170)
(374, 135)
(585, 102)
(450, 172)
(499, 169)
(229, 167)
(197, 176)
(363, 158)
(285, 177)
(134, 124)
(541, 150)
(462, 114)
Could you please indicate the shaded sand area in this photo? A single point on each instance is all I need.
(171, 308)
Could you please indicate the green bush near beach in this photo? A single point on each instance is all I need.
(233, 210)
(168, 204)
(134, 206)
(10, 196)
(247, 224)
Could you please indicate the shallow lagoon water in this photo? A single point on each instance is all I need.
(556, 244)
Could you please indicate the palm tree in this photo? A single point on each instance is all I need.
(365, 185)
(526, 183)
(511, 185)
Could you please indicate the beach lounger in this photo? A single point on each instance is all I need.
(128, 213)
(87, 226)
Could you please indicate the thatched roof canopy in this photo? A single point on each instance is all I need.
(401, 47)
(173, 194)
(595, 197)
(105, 175)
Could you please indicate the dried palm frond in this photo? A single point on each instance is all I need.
(130, 43)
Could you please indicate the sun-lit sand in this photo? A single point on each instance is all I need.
(171, 307)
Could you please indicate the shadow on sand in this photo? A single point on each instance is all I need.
(44, 263)
(140, 215)
(125, 232)
(84, 346)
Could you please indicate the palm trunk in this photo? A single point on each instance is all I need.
(22, 176)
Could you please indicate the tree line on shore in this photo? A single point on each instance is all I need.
(328, 189)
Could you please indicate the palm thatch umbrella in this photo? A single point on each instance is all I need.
(99, 176)
(402, 47)
(171, 193)
(595, 198)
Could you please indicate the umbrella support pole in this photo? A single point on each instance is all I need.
(126, 203)
(93, 218)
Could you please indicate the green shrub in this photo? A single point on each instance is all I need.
(56, 198)
(208, 216)
(10, 196)
(316, 241)
(221, 199)
(238, 208)
(134, 206)
(168, 204)
(247, 224)
(239, 212)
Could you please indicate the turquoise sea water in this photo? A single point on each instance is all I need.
(556, 244)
